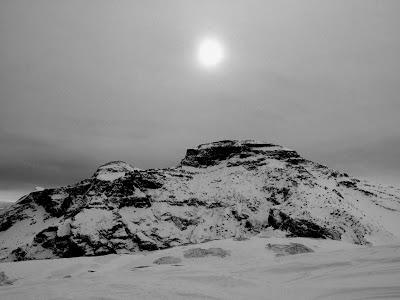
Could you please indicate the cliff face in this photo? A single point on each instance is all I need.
(219, 190)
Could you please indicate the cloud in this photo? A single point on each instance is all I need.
(82, 85)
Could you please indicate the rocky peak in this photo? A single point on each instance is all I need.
(213, 153)
(113, 170)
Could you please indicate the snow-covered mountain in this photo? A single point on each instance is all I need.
(219, 190)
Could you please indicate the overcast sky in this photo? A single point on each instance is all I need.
(86, 82)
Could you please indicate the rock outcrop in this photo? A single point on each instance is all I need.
(219, 190)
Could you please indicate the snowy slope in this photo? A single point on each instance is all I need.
(218, 191)
(336, 270)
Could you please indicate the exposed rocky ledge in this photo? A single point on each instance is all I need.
(213, 153)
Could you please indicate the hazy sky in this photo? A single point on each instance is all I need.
(86, 82)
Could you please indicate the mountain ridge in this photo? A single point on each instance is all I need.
(219, 190)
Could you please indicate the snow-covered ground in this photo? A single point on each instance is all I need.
(336, 270)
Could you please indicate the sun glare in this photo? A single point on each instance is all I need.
(210, 52)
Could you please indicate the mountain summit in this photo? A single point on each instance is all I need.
(219, 190)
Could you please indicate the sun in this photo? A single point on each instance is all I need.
(210, 52)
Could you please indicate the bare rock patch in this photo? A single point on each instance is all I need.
(199, 252)
(288, 249)
(5, 280)
(167, 260)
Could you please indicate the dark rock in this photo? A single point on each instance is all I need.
(283, 154)
(348, 183)
(58, 207)
(258, 145)
(288, 249)
(146, 180)
(300, 227)
(367, 193)
(199, 252)
(146, 245)
(278, 195)
(6, 223)
(141, 267)
(211, 156)
(194, 202)
(139, 202)
(167, 260)
(181, 223)
(239, 216)
(15, 213)
(61, 246)
(5, 280)
(18, 254)
(337, 193)
(296, 160)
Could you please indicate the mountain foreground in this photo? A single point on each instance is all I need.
(221, 269)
